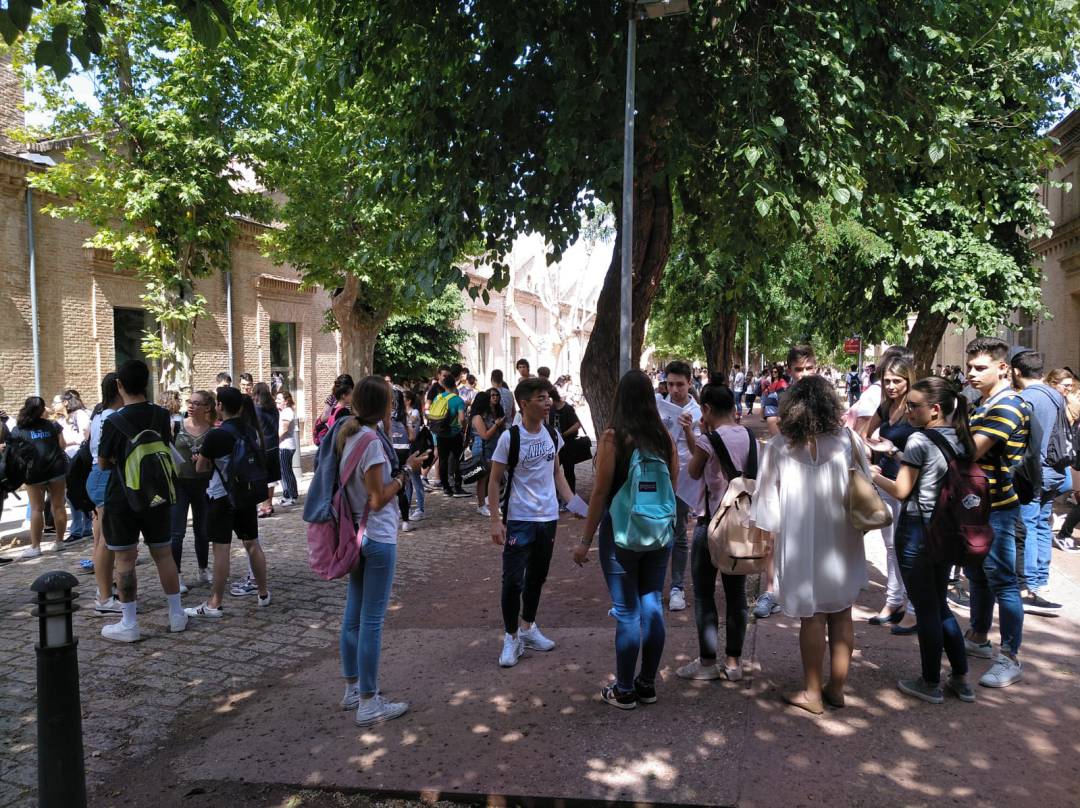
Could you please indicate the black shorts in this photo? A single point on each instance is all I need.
(223, 520)
(122, 527)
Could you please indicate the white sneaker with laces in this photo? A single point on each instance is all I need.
(699, 672)
(1004, 672)
(534, 638)
(513, 648)
(30, 552)
(110, 606)
(416, 516)
(204, 610)
(351, 699)
(203, 576)
(265, 601)
(406, 526)
(178, 622)
(183, 586)
(483, 510)
(244, 587)
(676, 600)
(118, 632)
(377, 709)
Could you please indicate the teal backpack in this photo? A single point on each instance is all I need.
(643, 511)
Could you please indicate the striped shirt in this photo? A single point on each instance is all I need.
(1004, 420)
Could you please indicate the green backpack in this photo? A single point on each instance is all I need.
(643, 510)
(147, 470)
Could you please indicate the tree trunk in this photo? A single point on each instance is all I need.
(925, 337)
(177, 341)
(719, 338)
(652, 243)
(360, 318)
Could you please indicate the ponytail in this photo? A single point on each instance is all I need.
(946, 394)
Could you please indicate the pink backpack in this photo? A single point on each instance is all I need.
(334, 545)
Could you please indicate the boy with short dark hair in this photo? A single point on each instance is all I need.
(522, 367)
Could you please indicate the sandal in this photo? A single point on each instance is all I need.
(800, 700)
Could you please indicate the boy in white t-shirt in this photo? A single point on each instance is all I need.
(531, 513)
(682, 417)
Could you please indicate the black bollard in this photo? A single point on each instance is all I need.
(61, 772)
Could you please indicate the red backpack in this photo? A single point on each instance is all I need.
(334, 545)
(959, 529)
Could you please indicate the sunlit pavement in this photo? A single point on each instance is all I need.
(253, 698)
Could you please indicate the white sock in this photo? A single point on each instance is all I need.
(100, 598)
(127, 615)
(175, 609)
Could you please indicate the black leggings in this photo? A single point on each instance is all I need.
(706, 615)
(402, 497)
(569, 474)
(1071, 521)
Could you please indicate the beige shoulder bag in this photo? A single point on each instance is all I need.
(866, 509)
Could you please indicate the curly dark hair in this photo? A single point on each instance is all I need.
(810, 407)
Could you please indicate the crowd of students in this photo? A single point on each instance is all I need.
(666, 458)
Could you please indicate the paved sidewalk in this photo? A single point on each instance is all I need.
(244, 711)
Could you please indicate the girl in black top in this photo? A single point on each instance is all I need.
(39, 445)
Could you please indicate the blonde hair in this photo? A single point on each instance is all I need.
(1058, 375)
(170, 400)
(370, 403)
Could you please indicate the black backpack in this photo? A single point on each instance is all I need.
(1060, 449)
(146, 470)
(1027, 474)
(512, 461)
(247, 480)
(77, 474)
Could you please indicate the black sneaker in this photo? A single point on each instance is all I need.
(1037, 604)
(624, 701)
(461, 492)
(646, 694)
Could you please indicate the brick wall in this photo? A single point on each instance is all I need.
(11, 97)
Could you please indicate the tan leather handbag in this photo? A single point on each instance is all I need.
(866, 509)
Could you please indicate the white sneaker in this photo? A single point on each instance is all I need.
(265, 601)
(483, 510)
(377, 709)
(406, 526)
(183, 586)
(30, 552)
(513, 648)
(204, 610)
(416, 516)
(244, 587)
(110, 606)
(1004, 672)
(533, 638)
(676, 601)
(203, 576)
(351, 699)
(697, 671)
(178, 622)
(118, 632)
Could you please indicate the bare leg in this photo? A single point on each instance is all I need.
(812, 649)
(126, 583)
(221, 574)
(841, 646)
(257, 560)
(103, 558)
(166, 569)
(56, 489)
(36, 495)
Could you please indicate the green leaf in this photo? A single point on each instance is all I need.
(762, 206)
(937, 151)
(19, 11)
(81, 49)
(841, 195)
(7, 28)
(44, 54)
(204, 26)
(752, 155)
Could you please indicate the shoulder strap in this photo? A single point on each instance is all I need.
(511, 464)
(555, 443)
(353, 460)
(722, 455)
(750, 472)
(123, 424)
(941, 443)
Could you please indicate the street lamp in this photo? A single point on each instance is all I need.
(637, 9)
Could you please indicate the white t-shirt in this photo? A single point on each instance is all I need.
(75, 427)
(533, 497)
(688, 489)
(95, 430)
(289, 441)
(869, 401)
(739, 384)
(382, 525)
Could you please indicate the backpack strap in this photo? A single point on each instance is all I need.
(723, 457)
(511, 464)
(554, 442)
(123, 424)
(750, 472)
(352, 462)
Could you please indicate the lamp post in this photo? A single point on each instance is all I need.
(644, 9)
(61, 772)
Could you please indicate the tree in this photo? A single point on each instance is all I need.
(506, 113)
(155, 169)
(413, 347)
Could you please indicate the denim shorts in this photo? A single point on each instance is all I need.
(96, 484)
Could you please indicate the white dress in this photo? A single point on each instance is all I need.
(820, 561)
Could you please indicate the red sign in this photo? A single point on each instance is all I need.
(853, 346)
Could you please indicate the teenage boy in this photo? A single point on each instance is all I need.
(247, 383)
(224, 379)
(1000, 428)
(121, 524)
(506, 398)
(544, 372)
(224, 516)
(1047, 406)
(801, 361)
(452, 445)
(522, 368)
(682, 418)
(532, 515)
(738, 387)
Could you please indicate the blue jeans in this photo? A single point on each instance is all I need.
(288, 476)
(525, 563)
(414, 487)
(190, 493)
(80, 524)
(680, 551)
(1038, 537)
(636, 583)
(926, 582)
(365, 609)
(995, 581)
